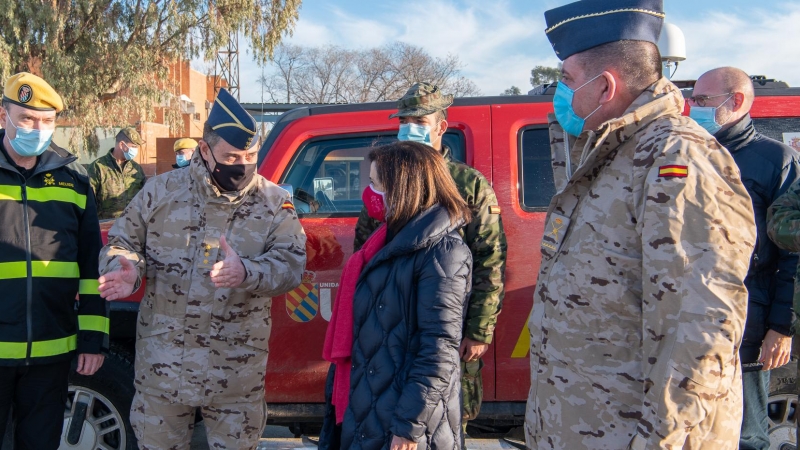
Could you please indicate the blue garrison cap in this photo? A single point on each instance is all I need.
(582, 25)
(231, 121)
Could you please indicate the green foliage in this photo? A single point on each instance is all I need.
(513, 90)
(545, 75)
(109, 59)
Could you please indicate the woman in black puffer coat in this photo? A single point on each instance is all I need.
(408, 309)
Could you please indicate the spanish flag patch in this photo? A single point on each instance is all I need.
(494, 209)
(287, 205)
(673, 171)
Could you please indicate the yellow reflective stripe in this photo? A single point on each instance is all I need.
(18, 350)
(54, 347)
(41, 269)
(88, 287)
(45, 194)
(93, 323)
(11, 193)
(58, 194)
(523, 345)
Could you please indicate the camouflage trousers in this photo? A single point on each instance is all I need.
(161, 425)
(471, 390)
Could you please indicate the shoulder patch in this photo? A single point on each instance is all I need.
(673, 171)
(287, 205)
(494, 209)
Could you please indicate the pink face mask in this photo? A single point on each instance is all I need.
(375, 202)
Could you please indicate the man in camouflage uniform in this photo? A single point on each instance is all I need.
(640, 303)
(215, 241)
(783, 227)
(116, 177)
(424, 109)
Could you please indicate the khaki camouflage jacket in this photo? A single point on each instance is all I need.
(486, 239)
(783, 227)
(114, 186)
(196, 344)
(640, 303)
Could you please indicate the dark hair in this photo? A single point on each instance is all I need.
(210, 136)
(638, 63)
(415, 177)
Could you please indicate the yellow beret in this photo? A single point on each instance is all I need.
(29, 91)
(184, 143)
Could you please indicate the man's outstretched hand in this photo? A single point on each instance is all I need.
(119, 283)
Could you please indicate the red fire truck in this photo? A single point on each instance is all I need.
(320, 151)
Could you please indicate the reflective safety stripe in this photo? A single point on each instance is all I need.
(44, 194)
(89, 287)
(93, 323)
(39, 349)
(11, 193)
(41, 269)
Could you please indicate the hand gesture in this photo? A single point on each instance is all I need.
(119, 283)
(228, 273)
(399, 443)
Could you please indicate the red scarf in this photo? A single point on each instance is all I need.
(338, 347)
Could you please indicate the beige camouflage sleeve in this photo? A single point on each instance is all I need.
(127, 235)
(697, 236)
(280, 268)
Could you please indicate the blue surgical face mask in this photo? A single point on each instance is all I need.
(181, 160)
(706, 116)
(131, 153)
(415, 133)
(30, 142)
(562, 105)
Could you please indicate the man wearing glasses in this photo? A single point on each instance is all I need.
(721, 104)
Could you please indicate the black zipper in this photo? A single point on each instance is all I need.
(29, 317)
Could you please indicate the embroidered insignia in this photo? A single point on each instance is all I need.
(673, 171)
(48, 179)
(494, 209)
(554, 232)
(25, 93)
(287, 205)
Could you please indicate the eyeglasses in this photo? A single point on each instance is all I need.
(700, 100)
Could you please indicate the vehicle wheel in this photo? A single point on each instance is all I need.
(107, 395)
(782, 408)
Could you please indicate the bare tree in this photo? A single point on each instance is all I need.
(333, 74)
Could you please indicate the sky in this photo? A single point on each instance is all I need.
(499, 42)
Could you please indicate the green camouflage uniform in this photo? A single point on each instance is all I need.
(783, 227)
(485, 237)
(114, 186)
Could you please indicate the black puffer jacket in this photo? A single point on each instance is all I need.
(768, 168)
(408, 312)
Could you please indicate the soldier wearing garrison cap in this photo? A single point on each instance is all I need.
(49, 246)
(116, 176)
(184, 149)
(640, 302)
(215, 241)
(422, 113)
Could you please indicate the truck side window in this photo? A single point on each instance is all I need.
(536, 174)
(329, 174)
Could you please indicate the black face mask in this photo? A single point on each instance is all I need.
(231, 177)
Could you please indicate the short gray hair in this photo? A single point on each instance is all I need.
(638, 63)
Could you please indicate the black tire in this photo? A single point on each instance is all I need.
(782, 407)
(109, 394)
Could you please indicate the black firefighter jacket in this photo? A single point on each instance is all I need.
(49, 247)
(768, 168)
(408, 312)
